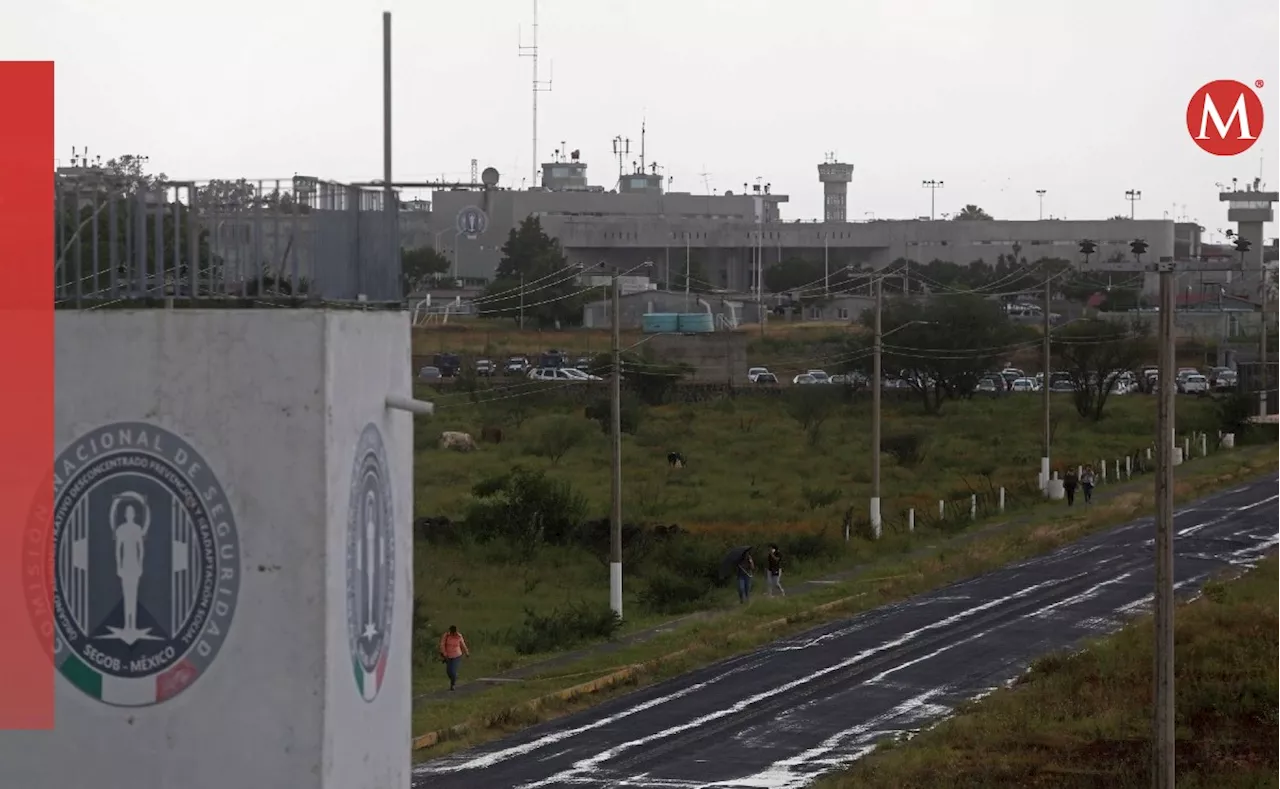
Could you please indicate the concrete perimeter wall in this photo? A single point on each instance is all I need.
(258, 413)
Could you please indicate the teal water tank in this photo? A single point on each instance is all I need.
(696, 322)
(660, 322)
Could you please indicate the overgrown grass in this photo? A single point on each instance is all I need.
(752, 478)
(1084, 719)
(490, 714)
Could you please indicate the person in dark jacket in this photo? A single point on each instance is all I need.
(746, 568)
(773, 569)
(1069, 485)
(1086, 484)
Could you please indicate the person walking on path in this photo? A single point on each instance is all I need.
(773, 570)
(1069, 484)
(746, 568)
(453, 647)
(1086, 484)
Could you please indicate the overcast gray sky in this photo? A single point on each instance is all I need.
(998, 98)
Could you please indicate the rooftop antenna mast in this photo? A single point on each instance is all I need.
(642, 145)
(539, 86)
(621, 149)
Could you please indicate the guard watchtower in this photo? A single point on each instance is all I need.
(835, 178)
(1250, 208)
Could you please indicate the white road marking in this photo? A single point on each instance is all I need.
(593, 763)
(1087, 594)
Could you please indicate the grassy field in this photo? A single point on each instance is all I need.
(753, 476)
(890, 577)
(1083, 720)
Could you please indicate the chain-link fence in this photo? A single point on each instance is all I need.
(123, 240)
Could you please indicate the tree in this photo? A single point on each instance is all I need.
(116, 214)
(1117, 218)
(812, 406)
(940, 348)
(555, 435)
(1091, 353)
(971, 212)
(533, 282)
(698, 281)
(793, 274)
(419, 264)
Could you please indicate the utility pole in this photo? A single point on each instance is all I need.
(1039, 193)
(1044, 387)
(615, 397)
(1163, 723)
(687, 268)
(826, 266)
(521, 301)
(933, 187)
(876, 385)
(388, 193)
(1133, 196)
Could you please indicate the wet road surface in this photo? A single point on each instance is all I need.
(781, 716)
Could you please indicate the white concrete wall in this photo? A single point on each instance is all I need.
(270, 400)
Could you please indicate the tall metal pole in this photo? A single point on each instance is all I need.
(687, 266)
(826, 266)
(1044, 387)
(615, 397)
(876, 385)
(1163, 732)
(1262, 354)
(522, 301)
(388, 194)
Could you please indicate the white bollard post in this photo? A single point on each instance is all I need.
(1002, 499)
(1128, 466)
(911, 519)
(942, 508)
(1204, 444)
(1103, 465)
(1148, 453)
(1186, 447)
(973, 506)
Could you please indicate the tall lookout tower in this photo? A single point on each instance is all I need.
(1250, 208)
(835, 178)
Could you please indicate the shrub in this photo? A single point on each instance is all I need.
(809, 546)
(563, 628)
(423, 638)
(671, 593)
(631, 408)
(555, 435)
(526, 508)
(817, 498)
(908, 449)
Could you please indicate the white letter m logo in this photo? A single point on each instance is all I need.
(1211, 111)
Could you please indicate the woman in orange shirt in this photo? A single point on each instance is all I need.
(452, 649)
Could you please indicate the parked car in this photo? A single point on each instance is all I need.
(1226, 379)
(484, 368)
(581, 375)
(804, 378)
(1062, 386)
(764, 378)
(447, 363)
(988, 386)
(1194, 384)
(564, 374)
(819, 376)
(583, 364)
(516, 365)
(1022, 385)
(429, 374)
(756, 372)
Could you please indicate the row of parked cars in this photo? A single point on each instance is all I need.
(1189, 380)
(761, 375)
(550, 365)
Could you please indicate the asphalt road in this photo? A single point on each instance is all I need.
(780, 716)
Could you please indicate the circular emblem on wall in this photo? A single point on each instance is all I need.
(146, 564)
(371, 555)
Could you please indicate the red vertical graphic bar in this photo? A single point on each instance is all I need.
(26, 396)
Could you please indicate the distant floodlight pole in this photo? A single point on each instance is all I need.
(1133, 196)
(539, 86)
(1040, 194)
(388, 193)
(933, 187)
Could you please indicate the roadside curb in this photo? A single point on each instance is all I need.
(612, 679)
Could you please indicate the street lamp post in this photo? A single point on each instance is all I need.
(1133, 196)
(1040, 194)
(933, 187)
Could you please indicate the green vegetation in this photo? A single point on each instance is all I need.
(1084, 719)
(518, 530)
(883, 578)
